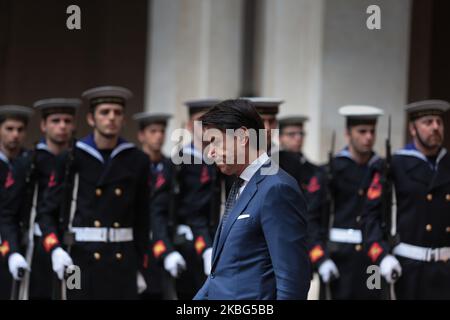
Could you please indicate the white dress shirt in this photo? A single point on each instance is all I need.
(250, 171)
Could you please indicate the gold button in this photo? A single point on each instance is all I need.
(116, 225)
(447, 197)
(97, 256)
(118, 192)
(97, 224)
(428, 227)
(447, 229)
(98, 192)
(429, 197)
(358, 247)
(361, 192)
(118, 256)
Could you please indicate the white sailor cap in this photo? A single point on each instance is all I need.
(423, 108)
(14, 111)
(292, 121)
(360, 114)
(198, 105)
(146, 118)
(57, 105)
(107, 94)
(265, 105)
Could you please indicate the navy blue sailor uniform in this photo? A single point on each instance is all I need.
(16, 214)
(160, 181)
(342, 242)
(303, 171)
(7, 181)
(110, 224)
(422, 193)
(193, 209)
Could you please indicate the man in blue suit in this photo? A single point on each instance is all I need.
(259, 249)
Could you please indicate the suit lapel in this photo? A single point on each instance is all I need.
(241, 203)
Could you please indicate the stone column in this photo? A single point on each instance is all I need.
(194, 51)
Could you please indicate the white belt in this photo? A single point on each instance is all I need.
(345, 235)
(103, 234)
(421, 253)
(37, 230)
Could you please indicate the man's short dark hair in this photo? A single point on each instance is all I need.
(234, 114)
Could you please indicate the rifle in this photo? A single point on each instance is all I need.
(15, 294)
(328, 209)
(387, 203)
(20, 287)
(169, 288)
(66, 215)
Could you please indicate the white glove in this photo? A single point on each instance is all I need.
(15, 262)
(327, 270)
(388, 266)
(174, 264)
(184, 230)
(60, 261)
(141, 284)
(207, 261)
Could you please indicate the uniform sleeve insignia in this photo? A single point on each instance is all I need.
(313, 185)
(316, 253)
(50, 241)
(375, 251)
(52, 180)
(159, 248)
(4, 248)
(160, 180)
(200, 244)
(204, 178)
(375, 188)
(9, 182)
(145, 261)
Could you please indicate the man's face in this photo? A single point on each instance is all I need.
(153, 136)
(58, 127)
(362, 138)
(226, 149)
(291, 138)
(107, 119)
(12, 134)
(428, 131)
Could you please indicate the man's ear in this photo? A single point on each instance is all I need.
(412, 129)
(140, 136)
(42, 125)
(90, 119)
(348, 132)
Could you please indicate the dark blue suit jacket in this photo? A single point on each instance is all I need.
(261, 253)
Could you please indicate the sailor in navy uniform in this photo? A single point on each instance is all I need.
(185, 249)
(421, 179)
(34, 174)
(110, 225)
(13, 125)
(292, 135)
(290, 160)
(335, 237)
(151, 135)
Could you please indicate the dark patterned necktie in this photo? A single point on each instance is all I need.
(231, 200)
